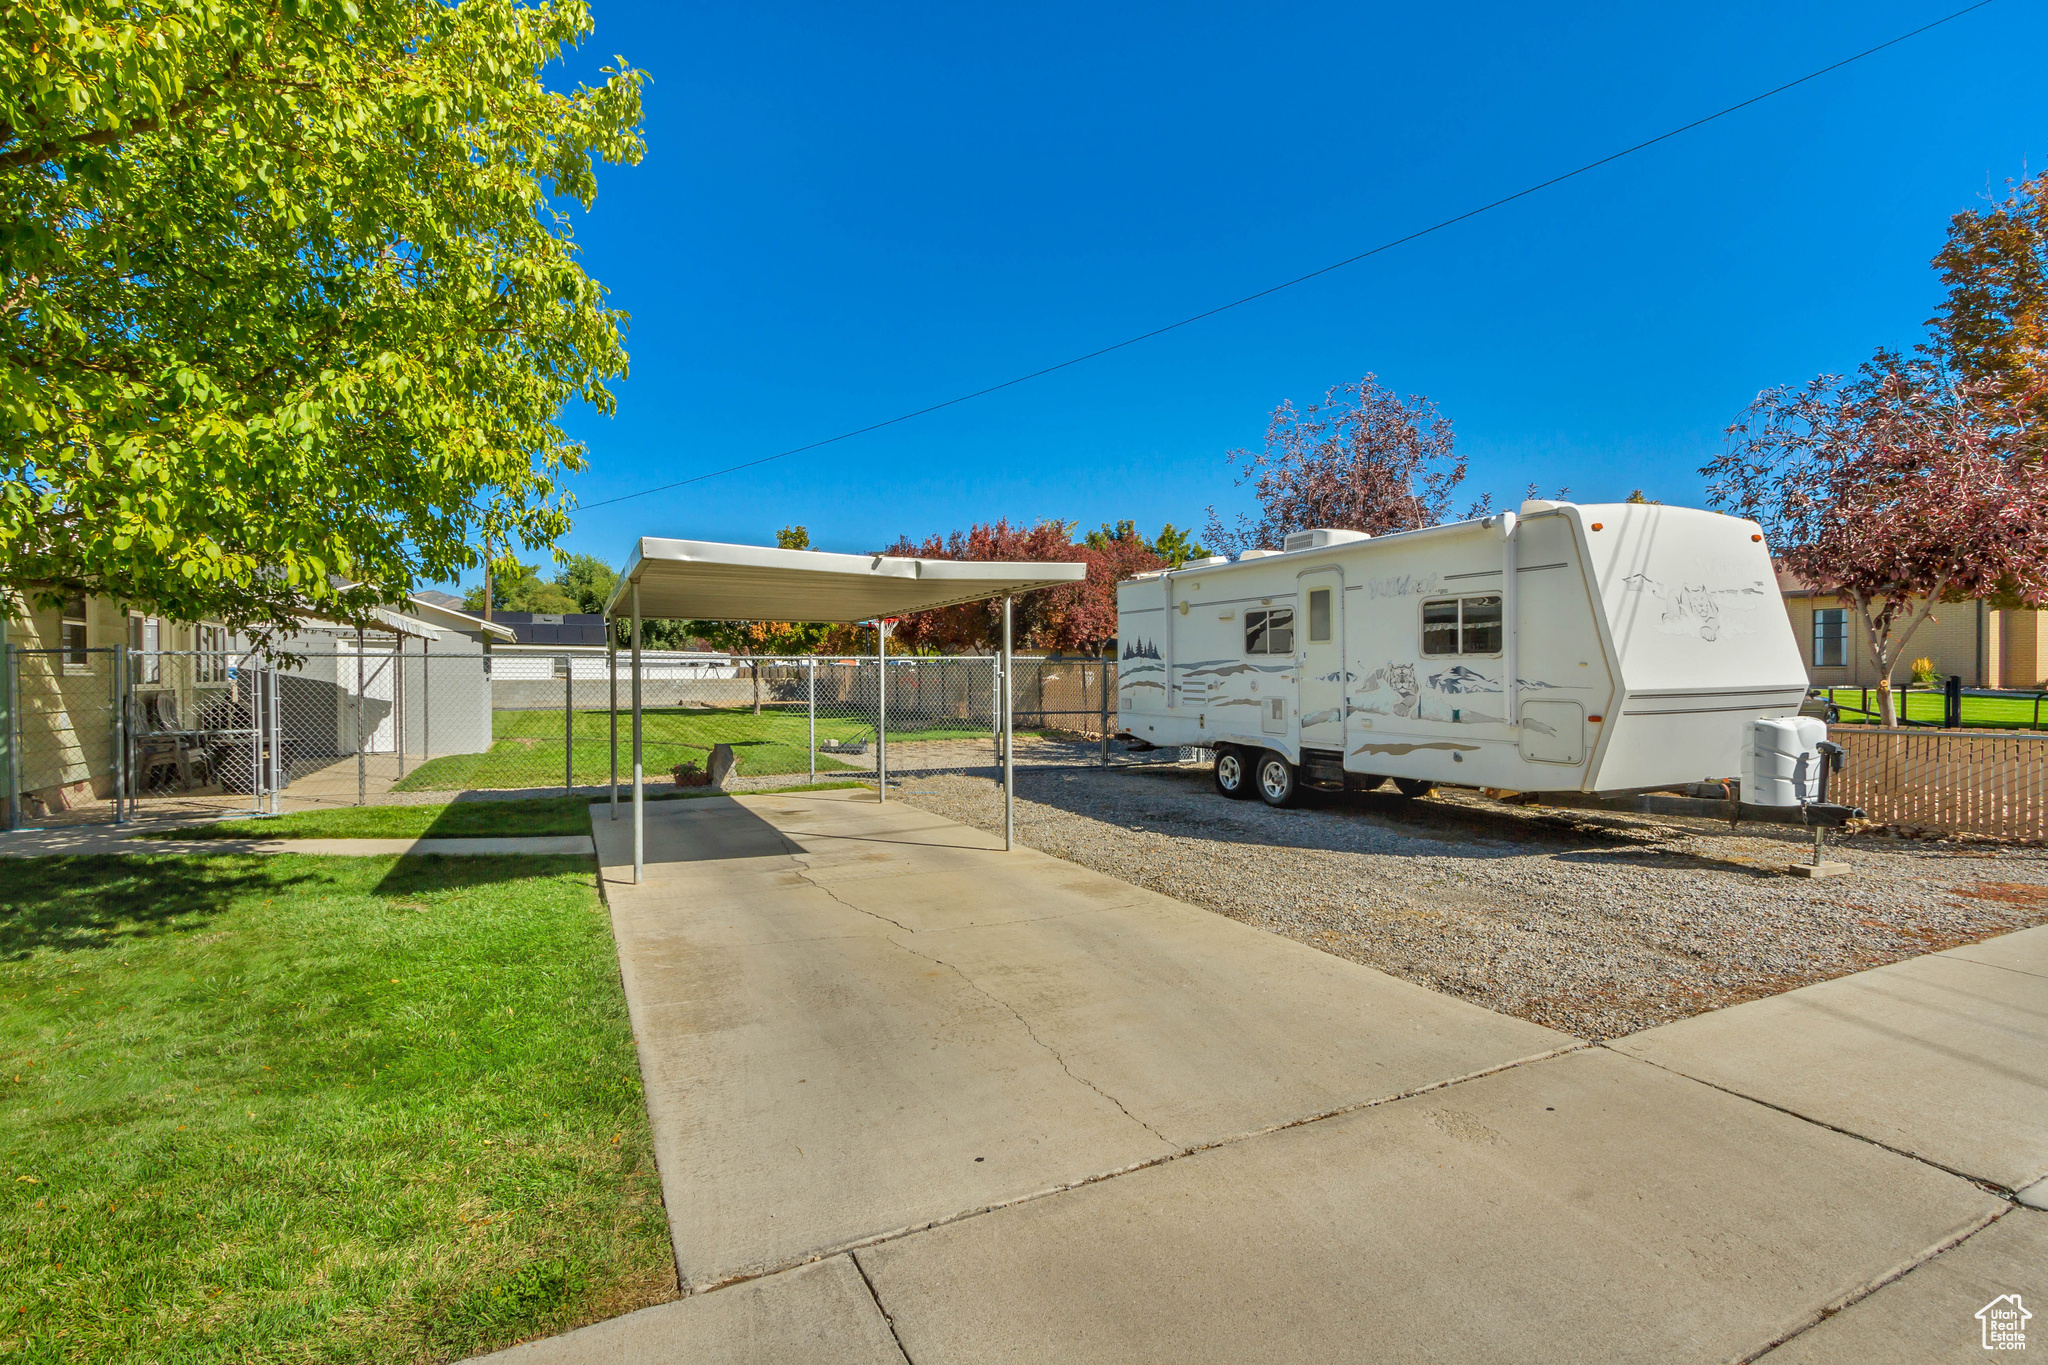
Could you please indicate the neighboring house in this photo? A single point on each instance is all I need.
(57, 707)
(1986, 646)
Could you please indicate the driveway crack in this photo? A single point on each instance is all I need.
(804, 875)
(1032, 1033)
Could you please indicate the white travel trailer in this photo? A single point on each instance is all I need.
(1611, 649)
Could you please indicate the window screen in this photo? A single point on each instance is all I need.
(1830, 637)
(1480, 622)
(1440, 626)
(71, 634)
(1319, 616)
(145, 637)
(1461, 625)
(1269, 632)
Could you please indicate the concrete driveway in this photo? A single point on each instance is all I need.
(916, 1098)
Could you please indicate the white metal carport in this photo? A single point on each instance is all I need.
(706, 581)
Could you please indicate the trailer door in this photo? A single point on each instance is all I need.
(1320, 658)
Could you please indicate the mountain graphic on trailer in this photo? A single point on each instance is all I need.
(1139, 649)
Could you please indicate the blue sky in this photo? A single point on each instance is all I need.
(850, 211)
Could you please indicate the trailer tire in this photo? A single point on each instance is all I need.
(1276, 779)
(1233, 775)
(1412, 787)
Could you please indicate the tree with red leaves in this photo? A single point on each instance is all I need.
(1071, 618)
(1898, 490)
(1363, 459)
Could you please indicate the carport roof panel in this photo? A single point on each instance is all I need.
(704, 580)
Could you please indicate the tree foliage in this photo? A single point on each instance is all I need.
(1071, 618)
(1897, 490)
(1993, 325)
(521, 588)
(1172, 545)
(1363, 459)
(288, 298)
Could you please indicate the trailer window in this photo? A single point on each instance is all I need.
(1480, 625)
(1461, 625)
(1440, 626)
(1269, 632)
(1319, 616)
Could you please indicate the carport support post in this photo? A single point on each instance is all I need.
(1009, 746)
(811, 670)
(882, 709)
(611, 659)
(639, 785)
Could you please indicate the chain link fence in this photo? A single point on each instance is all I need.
(103, 734)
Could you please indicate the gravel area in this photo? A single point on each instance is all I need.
(1599, 925)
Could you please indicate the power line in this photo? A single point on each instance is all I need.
(1303, 279)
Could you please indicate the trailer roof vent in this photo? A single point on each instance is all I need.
(1211, 562)
(1317, 539)
(1257, 554)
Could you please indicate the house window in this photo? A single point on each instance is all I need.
(1831, 637)
(1269, 632)
(210, 664)
(1461, 625)
(71, 631)
(145, 638)
(1319, 616)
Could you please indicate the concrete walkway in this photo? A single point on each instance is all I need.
(915, 1098)
(96, 839)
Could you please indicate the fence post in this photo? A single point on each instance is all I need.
(362, 770)
(124, 803)
(1952, 702)
(13, 741)
(1102, 699)
(256, 769)
(812, 742)
(568, 725)
(277, 765)
(611, 664)
(398, 705)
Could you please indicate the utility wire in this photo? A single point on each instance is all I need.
(1303, 279)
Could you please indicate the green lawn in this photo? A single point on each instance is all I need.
(1992, 713)
(314, 1109)
(449, 820)
(526, 746)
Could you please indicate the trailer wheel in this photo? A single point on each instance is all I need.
(1233, 775)
(1276, 783)
(1412, 787)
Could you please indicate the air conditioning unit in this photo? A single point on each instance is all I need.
(1317, 539)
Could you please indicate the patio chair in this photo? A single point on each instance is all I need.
(165, 753)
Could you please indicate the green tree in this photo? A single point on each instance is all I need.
(588, 580)
(521, 588)
(1176, 546)
(1172, 544)
(288, 299)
